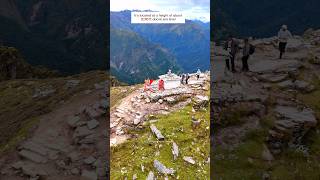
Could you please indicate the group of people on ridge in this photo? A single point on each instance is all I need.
(185, 78)
(232, 45)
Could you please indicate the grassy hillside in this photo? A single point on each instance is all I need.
(127, 158)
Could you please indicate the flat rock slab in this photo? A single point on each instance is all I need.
(33, 156)
(305, 116)
(268, 66)
(89, 175)
(273, 78)
(82, 131)
(154, 97)
(89, 160)
(189, 160)
(92, 124)
(155, 131)
(35, 147)
(161, 168)
(235, 93)
(29, 169)
(72, 121)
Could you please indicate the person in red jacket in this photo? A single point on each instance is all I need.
(161, 85)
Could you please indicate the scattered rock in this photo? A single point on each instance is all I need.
(90, 139)
(44, 92)
(150, 176)
(266, 154)
(170, 100)
(72, 121)
(75, 171)
(104, 103)
(72, 83)
(82, 132)
(158, 134)
(273, 78)
(89, 160)
(175, 150)
(32, 156)
(136, 121)
(189, 160)
(134, 177)
(90, 175)
(74, 156)
(201, 102)
(161, 168)
(99, 86)
(92, 124)
(147, 100)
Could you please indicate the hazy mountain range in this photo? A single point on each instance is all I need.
(184, 46)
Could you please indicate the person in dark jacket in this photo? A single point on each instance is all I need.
(182, 78)
(187, 78)
(232, 46)
(246, 55)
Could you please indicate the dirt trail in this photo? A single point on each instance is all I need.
(67, 143)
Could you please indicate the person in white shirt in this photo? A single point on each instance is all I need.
(198, 74)
(283, 35)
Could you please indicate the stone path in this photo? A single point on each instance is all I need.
(270, 78)
(69, 142)
(133, 109)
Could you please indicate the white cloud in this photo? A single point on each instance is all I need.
(193, 9)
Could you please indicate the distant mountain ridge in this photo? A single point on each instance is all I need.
(189, 42)
(134, 59)
(68, 36)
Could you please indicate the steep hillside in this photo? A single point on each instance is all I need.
(134, 59)
(67, 36)
(189, 42)
(13, 66)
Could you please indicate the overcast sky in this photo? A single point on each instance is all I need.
(193, 9)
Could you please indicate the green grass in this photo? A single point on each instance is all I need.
(288, 165)
(176, 127)
(22, 133)
(120, 92)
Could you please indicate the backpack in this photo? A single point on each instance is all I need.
(252, 49)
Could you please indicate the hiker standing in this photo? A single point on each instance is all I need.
(187, 78)
(161, 85)
(247, 50)
(232, 45)
(283, 35)
(198, 74)
(182, 78)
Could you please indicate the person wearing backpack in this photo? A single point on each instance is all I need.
(232, 45)
(248, 50)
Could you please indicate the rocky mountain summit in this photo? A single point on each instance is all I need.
(263, 117)
(153, 134)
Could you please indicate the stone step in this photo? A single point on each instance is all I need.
(35, 147)
(32, 156)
